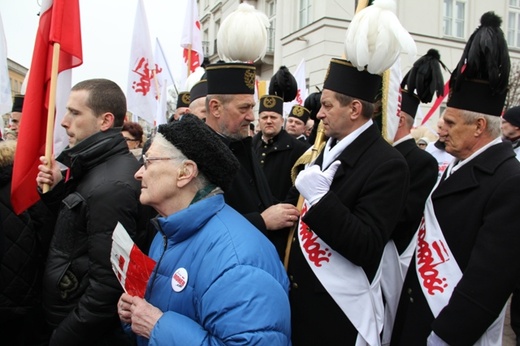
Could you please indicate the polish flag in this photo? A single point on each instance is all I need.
(59, 24)
(131, 266)
(191, 39)
(141, 95)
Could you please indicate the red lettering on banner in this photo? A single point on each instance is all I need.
(312, 248)
(145, 77)
(298, 98)
(427, 268)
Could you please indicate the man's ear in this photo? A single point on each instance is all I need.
(186, 173)
(481, 125)
(107, 121)
(214, 107)
(357, 108)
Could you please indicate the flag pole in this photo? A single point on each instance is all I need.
(49, 138)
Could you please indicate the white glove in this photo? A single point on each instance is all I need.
(434, 340)
(313, 184)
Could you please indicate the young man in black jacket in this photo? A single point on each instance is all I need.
(80, 290)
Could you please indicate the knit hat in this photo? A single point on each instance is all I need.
(199, 143)
(512, 116)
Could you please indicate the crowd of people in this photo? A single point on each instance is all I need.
(366, 243)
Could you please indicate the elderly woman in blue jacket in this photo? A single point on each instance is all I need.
(218, 280)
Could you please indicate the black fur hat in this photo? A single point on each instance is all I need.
(422, 81)
(199, 143)
(480, 81)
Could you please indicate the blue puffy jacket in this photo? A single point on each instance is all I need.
(218, 280)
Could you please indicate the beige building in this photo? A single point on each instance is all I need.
(315, 30)
(17, 74)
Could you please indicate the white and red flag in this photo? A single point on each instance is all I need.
(6, 101)
(164, 80)
(191, 39)
(131, 266)
(59, 24)
(301, 95)
(141, 92)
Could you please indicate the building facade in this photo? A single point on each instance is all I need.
(315, 30)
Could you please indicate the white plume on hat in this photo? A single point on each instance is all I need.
(194, 78)
(375, 38)
(243, 35)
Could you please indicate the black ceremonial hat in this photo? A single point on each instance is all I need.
(18, 103)
(344, 78)
(271, 103)
(183, 99)
(479, 83)
(300, 112)
(200, 89)
(231, 78)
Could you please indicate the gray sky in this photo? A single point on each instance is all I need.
(106, 27)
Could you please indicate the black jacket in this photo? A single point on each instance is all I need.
(423, 170)
(80, 288)
(25, 242)
(355, 218)
(277, 158)
(477, 210)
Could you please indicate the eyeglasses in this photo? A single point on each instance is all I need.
(147, 160)
(130, 139)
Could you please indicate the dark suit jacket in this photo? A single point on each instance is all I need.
(355, 218)
(423, 175)
(277, 159)
(477, 208)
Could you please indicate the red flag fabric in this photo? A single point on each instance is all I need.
(131, 266)
(59, 23)
(192, 38)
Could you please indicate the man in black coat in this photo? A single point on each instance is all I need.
(230, 104)
(423, 174)
(466, 263)
(354, 195)
(80, 289)
(276, 150)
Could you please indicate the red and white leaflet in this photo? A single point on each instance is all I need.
(131, 266)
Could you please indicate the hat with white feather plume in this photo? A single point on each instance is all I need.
(241, 40)
(374, 40)
(480, 81)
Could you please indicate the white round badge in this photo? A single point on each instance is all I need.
(179, 279)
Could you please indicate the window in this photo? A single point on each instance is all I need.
(454, 14)
(271, 14)
(305, 12)
(513, 24)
